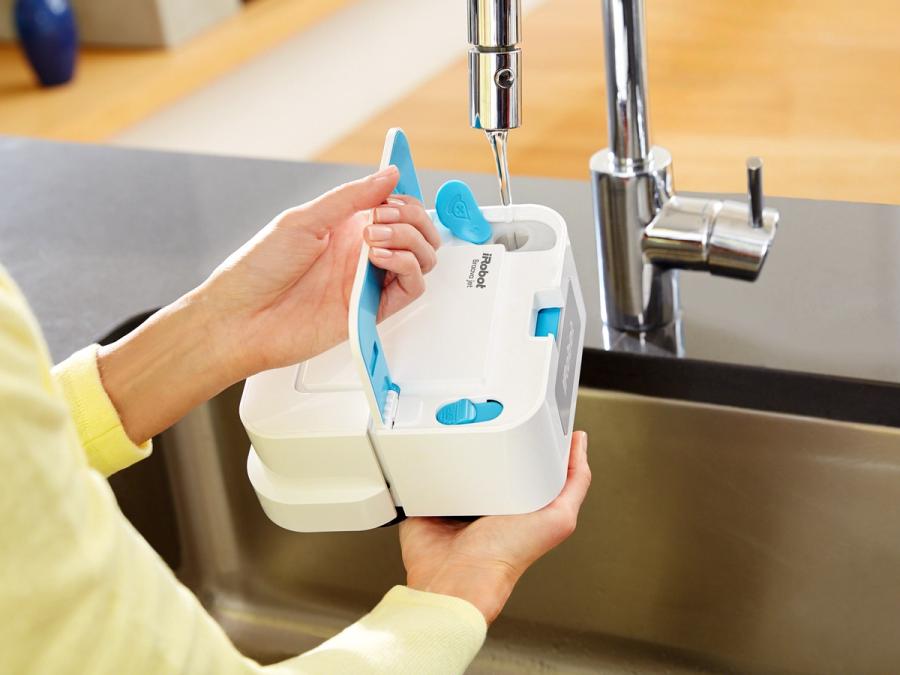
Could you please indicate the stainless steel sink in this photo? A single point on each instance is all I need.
(713, 539)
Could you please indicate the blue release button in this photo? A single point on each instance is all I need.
(464, 411)
(547, 322)
(459, 412)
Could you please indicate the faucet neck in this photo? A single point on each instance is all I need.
(626, 81)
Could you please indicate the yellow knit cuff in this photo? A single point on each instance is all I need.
(464, 610)
(408, 633)
(99, 428)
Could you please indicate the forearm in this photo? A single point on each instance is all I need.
(170, 364)
(487, 588)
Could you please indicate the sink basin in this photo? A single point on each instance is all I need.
(713, 539)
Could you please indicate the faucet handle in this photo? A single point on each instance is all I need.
(754, 187)
(740, 234)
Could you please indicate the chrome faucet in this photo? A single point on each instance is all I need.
(645, 232)
(495, 97)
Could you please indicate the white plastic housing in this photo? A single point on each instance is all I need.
(323, 458)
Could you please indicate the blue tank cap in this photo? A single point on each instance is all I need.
(458, 211)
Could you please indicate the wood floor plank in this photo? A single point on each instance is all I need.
(115, 88)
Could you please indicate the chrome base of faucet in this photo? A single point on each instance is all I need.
(635, 295)
(665, 341)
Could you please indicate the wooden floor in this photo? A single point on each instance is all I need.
(812, 87)
(114, 88)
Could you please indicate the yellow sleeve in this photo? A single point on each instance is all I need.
(408, 632)
(99, 428)
(82, 592)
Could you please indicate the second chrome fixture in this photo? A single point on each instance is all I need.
(645, 232)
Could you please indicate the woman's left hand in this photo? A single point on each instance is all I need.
(482, 561)
(280, 299)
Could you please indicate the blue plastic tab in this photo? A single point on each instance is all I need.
(397, 153)
(547, 322)
(401, 157)
(464, 411)
(459, 412)
(485, 412)
(458, 211)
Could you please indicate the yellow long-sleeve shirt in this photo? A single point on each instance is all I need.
(80, 589)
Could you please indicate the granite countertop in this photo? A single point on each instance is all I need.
(97, 236)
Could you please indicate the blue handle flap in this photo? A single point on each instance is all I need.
(396, 152)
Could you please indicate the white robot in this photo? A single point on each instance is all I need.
(462, 404)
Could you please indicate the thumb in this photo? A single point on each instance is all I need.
(336, 205)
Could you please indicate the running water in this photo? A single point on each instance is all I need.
(497, 140)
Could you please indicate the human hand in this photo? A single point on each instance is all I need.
(482, 561)
(283, 297)
(280, 299)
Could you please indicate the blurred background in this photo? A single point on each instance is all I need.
(812, 87)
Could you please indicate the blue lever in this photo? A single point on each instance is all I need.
(464, 411)
(458, 211)
(547, 322)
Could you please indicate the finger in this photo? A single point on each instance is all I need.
(410, 210)
(405, 280)
(335, 206)
(579, 475)
(403, 236)
(398, 199)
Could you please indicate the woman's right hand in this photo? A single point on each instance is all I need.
(281, 298)
(482, 561)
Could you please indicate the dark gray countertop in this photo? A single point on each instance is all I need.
(96, 235)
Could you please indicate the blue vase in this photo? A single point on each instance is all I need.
(49, 38)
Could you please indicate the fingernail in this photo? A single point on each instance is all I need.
(386, 173)
(378, 233)
(395, 201)
(382, 253)
(387, 214)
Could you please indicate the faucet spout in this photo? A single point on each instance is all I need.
(495, 99)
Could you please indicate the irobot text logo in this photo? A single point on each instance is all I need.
(478, 271)
(483, 270)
